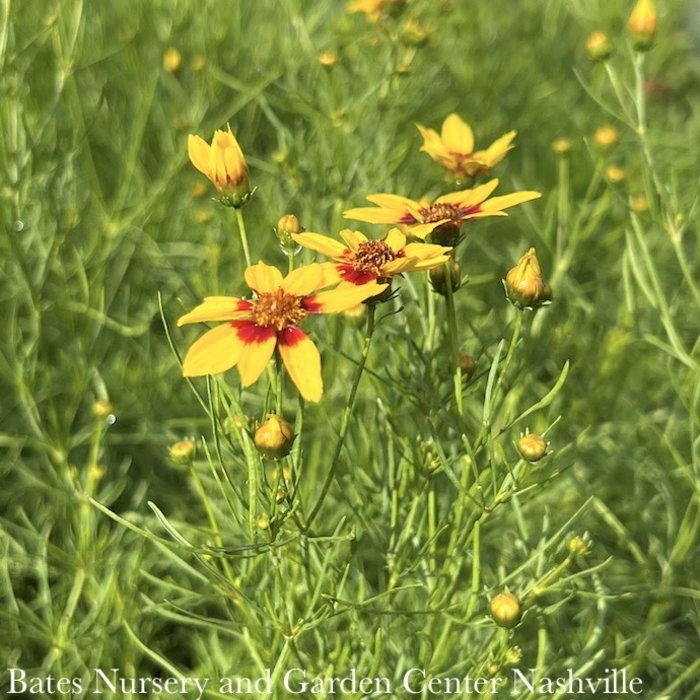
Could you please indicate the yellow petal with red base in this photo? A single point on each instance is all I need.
(263, 278)
(216, 351)
(258, 345)
(217, 309)
(305, 280)
(467, 198)
(302, 362)
(342, 298)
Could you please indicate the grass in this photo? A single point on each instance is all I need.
(115, 557)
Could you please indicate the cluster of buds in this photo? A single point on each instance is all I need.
(641, 26)
(524, 284)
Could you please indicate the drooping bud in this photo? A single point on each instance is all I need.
(449, 273)
(598, 46)
(642, 25)
(274, 437)
(445, 234)
(525, 286)
(505, 610)
(224, 164)
(606, 138)
(183, 451)
(532, 447)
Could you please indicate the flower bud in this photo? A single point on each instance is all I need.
(414, 33)
(172, 60)
(102, 408)
(449, 273)
(639, 203)
(263, 522)
(274, 437)
(642, 25)
(562, 146)
(525, 286)
(327, 59)
(183, 451)
(505, 610)
(532, 447)
(615, 174)
(579, 546)
(287, 226)
(606, 138)
(224, 164)
(198, 63)
(598, 46)
(467, 364)
(513, 655)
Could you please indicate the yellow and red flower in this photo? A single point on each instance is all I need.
(254, 328)
(359, 260)
(453, 148)
(455, 208)
(223, 163)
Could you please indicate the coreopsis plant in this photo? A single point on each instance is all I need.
(359, 260)
(453, 208)
(453, 148)
(223, 163)
(254, 328)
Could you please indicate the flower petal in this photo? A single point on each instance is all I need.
(198, 151)
(217, 309)
(342, 298)
(395, 239)
(303, 362)
(353, 239)
(498, 149)
(263, 278)
(457, 135)
(425, 251)
(216, 351)
(319, 243)
(467, 198)
(258, 345)
(422, 230)
(509, 200)
(373, 215)
(305, 280)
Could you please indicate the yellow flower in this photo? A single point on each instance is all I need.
(642, 24)
(456, 207)
(359, 260)
(223, 163)
(453, 148)
(254, 328)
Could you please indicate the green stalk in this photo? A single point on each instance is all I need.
(345, 420)
(453, 339)
(244, 236)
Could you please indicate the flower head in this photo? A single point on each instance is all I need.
(359, 260)
(642, 25)
(453, 148)
(223, 163)
(254, 328)
(525, 284)
(456, 207)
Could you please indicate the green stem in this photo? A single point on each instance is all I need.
(454, 342)
(345, 420)
(244, 236)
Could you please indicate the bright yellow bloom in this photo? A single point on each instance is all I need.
(360, 260)
(254, 328)
(223, 163)
(456, 207)
(453, 148)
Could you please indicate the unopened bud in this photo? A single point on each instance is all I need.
(287, 226)
(448, 274)
(606, 138)
(524, 283)
(172, 60)
(327, 59)
(615, 174)
(532, 447)
(598, 46)
(445, 235)
(183, 451)
(579, 546)
(513, 655)
(101, 408)
(263, 522)
(414, 33)
(562, 146)
(274, 437)
(467, 364)
(505, 610)
(642, 25)
(640, 204)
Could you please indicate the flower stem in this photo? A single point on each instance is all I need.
(345, 421)
(244, 236)
(454, 342)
